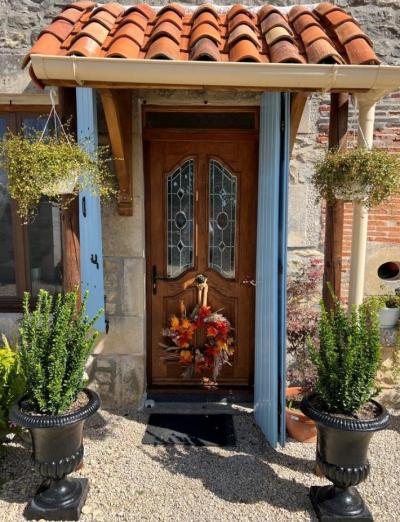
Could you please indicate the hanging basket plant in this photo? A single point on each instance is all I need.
(54, 165)
(361, 175)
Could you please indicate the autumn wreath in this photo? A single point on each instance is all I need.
(216, 349)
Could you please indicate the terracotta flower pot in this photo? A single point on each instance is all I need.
(298, 426)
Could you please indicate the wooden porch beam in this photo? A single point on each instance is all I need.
(117, 107)
(338, 121)
(298, 102)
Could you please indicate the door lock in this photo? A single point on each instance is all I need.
(247, 281)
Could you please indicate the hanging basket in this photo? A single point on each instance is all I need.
(367, 176)
(51, 163)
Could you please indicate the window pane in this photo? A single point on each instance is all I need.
(45, 249)
(222, 220)
(200, 120)
(180, 219)
(8, 287)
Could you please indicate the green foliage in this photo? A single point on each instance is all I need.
(383, 301)
(358, 174)
(56, 341)
(11, 384)
(348, 357)
(37, 167)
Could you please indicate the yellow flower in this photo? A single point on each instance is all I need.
(174, 323)
(185, 357)
(186, 324)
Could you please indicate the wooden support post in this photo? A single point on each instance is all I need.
(117, 107)
(70, 216)
(334, 211)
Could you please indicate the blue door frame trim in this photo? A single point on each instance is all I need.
(270, 323)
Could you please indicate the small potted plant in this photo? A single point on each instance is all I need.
(12, 385)
(56, 340)
(347, 360)
(302, 324)
(54, 166)
(366, 176)
(388, 307)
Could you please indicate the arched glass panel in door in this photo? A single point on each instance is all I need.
(222, 219)
(180, 217)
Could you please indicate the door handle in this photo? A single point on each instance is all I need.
(156, 278)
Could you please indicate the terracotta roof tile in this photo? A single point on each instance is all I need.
(360, 52)
(265, 11)
(325, 34)
(205, 50)
(166, 29)
(205, 31)
(348, 31)
(84, 46)
(335, 18)
(274, 20)
(321, 51)
(205, 18)
(82, 6)
(205, 8)
(178, 8)
(285, 52)
(244, 51)
(60, 29)
(70, 14)
(303, 21)
(276, 34)
(144, 9)
(135, 17)
(123, 47)
(164, 48)
(325, 8)
(239, 19)
(238, 9)
(171, 17)
(243, 32)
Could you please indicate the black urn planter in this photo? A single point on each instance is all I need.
(342, 448)
(57, 451)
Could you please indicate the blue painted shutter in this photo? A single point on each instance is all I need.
(269, 385)
(90, 233)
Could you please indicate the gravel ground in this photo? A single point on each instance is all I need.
(133, 482)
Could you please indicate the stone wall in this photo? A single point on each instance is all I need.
(117, 368)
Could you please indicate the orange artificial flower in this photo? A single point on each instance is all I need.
(212, 331)
(185, 357)
(174, 323)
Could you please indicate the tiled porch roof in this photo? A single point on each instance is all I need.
(323, 33)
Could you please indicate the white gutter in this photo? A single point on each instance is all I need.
(124, 72)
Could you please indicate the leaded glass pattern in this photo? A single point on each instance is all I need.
(180, 217)
(222, 219)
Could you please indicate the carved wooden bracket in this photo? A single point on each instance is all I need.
(117, 105)
(299, 100)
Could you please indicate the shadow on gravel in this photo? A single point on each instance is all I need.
(96, 427)
(18, 480)
(236, 478)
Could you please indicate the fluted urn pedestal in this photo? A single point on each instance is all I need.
(342, 448)
(57, 444)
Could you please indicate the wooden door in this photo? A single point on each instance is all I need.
(201, 211)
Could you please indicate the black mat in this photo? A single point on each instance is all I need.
(191, 430)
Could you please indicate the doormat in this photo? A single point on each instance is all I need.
(190, 430)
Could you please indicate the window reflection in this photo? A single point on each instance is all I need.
(8, 287)
(45, 249)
